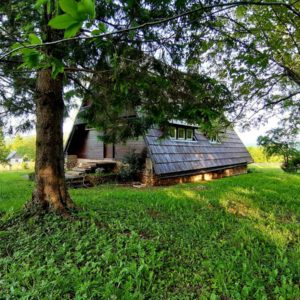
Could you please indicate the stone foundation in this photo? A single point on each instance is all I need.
(150, 178)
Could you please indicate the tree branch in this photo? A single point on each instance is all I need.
(282, 99)
(158, 22)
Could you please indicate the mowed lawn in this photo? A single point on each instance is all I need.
(234, 238)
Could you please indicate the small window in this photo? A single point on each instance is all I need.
(172, 132)
(181, 133)
(189, 134)
(215, 140)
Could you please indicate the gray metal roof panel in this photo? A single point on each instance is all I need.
(171, 156)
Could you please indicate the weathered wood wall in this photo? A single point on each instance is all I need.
(86, 144)
(122, 149)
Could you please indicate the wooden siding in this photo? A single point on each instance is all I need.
(85, 144)
(109, 151)
(173, 156)
(122, 149)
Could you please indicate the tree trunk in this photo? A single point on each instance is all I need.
(51, 191)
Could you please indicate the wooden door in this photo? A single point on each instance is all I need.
(109, 151)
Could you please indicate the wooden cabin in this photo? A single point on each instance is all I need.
(185, 156)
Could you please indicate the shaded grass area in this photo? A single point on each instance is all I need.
(234, 238)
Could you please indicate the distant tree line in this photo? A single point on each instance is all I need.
(259, 156)
(24, 146)
(284, 143)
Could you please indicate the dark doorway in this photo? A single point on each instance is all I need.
(109, 151)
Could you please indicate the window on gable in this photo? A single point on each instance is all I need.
(189, 134)
(181, 133)
(215, 140)
(173, 132)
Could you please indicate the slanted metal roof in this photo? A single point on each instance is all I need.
(12, 154)
(174, 156)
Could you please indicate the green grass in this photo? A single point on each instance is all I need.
(234, 238)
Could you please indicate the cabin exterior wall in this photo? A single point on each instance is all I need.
(136, 145)
(85, 144)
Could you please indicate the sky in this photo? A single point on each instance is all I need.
(249, 137)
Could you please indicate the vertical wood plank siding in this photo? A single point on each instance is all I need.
(121, 150)
(85, 144)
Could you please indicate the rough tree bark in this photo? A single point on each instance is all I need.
(51, 192)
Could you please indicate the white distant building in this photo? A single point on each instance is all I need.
(14, 158)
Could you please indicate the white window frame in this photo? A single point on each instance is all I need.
(215, 141)
(181, 138)
(186, 135)
(174, 129)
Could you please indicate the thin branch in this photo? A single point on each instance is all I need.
(74, 69)
(274, 103)
(158, 22)
(282, 99)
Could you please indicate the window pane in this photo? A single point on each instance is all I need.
(189, 134)
(215, 140)
(172, 132)
(181, 133)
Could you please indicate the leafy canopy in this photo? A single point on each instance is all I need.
(3, 149)
(228, 58)
(281, 142)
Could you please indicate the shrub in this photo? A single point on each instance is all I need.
(293, 165)
(31, 176)
(133, 164)
(100, 178)
(24, 165)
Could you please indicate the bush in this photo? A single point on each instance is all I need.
(293, 165)
(101, 178)
(133, 164)
(31, 176)
(24, 165)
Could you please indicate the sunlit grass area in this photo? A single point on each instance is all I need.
(234, 238)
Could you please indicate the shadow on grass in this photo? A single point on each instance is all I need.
(234, 238)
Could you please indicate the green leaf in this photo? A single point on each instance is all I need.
(70, 7)
(62, 21)
(57, 68)
(240, 11)
(16, 46)
(72, 30)
(39, 3)
(88, 7)
(34, 39)
(31, 58)
(102, 27)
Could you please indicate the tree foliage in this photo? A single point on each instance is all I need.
(3, 149)
(259, 156)
(250, 49)
(280, 142)
(25, 146)
(255, 50)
